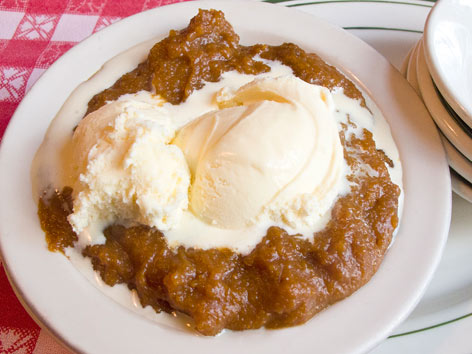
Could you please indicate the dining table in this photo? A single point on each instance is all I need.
(35, 33)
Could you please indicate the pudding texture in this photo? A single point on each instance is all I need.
(285, 280)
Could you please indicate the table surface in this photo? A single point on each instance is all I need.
(33, 34)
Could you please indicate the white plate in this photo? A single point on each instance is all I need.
(88, 321)
(446, 123)
(448, 39)
(461, 165)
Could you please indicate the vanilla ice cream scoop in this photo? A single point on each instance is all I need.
(272, 149)
(123, 167)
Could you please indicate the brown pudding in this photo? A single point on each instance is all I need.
(285, 280)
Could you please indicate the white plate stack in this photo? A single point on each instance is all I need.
(439, 67)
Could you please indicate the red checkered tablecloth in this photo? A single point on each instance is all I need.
(33, 34)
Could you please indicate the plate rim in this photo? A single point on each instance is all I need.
(443, 85)
(306, 16)
(446, 123)
(457, 161)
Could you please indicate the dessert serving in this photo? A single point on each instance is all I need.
(244, 186)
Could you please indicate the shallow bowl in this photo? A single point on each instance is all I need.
(86, 320)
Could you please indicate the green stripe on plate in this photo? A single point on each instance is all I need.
(357, 1)
(382, 28)
(335, 1)
(431, 327)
